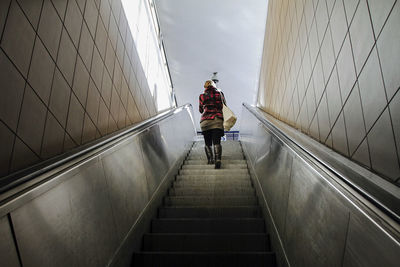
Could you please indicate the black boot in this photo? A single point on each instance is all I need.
(209, 155)
(218, 155)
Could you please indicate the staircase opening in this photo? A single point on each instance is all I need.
(209, 217)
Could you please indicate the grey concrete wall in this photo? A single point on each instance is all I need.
(330, 69)
(69, 73)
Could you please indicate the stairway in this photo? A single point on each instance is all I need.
(209, 217)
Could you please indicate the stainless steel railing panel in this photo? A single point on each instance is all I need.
(315, 218)
(127, 182)
(8, 252)
(368, 245)
(71, 224)
(81, 214)
(277, 162)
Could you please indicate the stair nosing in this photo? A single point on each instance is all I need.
(210, 234)
(207, 252)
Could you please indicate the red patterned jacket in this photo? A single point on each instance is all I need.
(210, 104)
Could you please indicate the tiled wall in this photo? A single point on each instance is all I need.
(69, 73)
(331, 69)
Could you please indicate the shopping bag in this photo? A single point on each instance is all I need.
(229, 118)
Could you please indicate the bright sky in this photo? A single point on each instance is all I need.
(206, 36)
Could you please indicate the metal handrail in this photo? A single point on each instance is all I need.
(11, 181)
(296, 146)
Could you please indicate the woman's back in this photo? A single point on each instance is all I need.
(210, 104)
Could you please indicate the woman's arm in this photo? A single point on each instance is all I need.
(201, 104)
(220, 100)
(223, 97)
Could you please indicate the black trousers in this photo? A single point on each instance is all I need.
(213, 136)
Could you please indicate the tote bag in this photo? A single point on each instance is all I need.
(229, 118)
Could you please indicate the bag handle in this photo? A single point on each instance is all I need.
(223, 98)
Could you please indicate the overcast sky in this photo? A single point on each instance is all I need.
(203, 36)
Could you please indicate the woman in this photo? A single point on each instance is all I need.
(212, 121)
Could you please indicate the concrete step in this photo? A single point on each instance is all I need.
(209, 191)
(216, 191)
(214, 176)
(235, 147)
(213, 171)
(212, 187)
(225, 152)
(228, 143)
(201, 242)
(203, 162)
(228, 155)
(210, 183)
(223, 158)
(228, 150)
(222, 142)
(210, 212)
(202, 259)
(210, 201)
(212, 166)
(241, 225)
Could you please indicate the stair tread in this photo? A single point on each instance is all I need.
(211, 166)
(208, 225)
(201, 259)
(211, 197)
(198, 184)
(227, 191)
(215, 176)
(212, 171)
(207, 234)
(209, 200)
(197, 157)
(203, 162)
(207, 252)
(210, 212)
(216, 207)
(210, 184)
(210, 180)
(206, 242)
(213, 182)
(209, 219)
(214, 187)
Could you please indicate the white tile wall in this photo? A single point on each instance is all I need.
(63, 79)
(336, 78)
